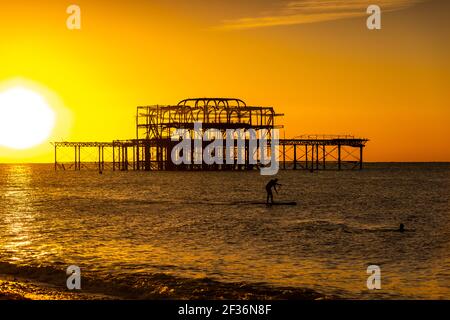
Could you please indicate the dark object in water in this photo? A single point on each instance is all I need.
(278, 203)
(401, 228)
(293, 203)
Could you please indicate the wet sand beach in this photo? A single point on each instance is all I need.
(12, 288)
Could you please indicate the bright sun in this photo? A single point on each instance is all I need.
(26, 119)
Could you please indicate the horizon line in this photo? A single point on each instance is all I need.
(365, 162)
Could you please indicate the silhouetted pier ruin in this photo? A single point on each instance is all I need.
(155, 125)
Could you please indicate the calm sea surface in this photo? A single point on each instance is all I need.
(126, 227)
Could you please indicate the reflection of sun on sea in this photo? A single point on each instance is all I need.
(26, 119)
(24, 237)
(18, 215)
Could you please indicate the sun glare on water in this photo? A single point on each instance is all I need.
(26, 119)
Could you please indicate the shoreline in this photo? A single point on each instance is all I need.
(17, 288)
(47, 283)
(14, 288)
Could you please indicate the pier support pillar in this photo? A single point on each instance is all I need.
(103, 158)
(295, 157)
(79, 157)
(76, 158)
(113, 158)
(56, 158)
(147, 156)
(339, 157)
(361, 157)
(125, 158)
(306, 157)
(99, 159)
(134, 158)
(324, 156)
(138, 166)
(119, 157)
(317, 157)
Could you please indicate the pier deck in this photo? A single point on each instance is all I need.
(301, 153)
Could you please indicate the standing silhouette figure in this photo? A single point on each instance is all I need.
(271, 184)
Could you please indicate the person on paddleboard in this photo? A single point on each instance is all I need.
(271, 184)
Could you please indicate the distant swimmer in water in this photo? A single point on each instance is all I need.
(400, 229)
(271, 184)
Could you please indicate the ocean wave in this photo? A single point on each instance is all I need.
(159, 285)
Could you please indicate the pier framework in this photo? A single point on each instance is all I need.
(155, 125)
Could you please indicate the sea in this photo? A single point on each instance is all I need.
(190, 235)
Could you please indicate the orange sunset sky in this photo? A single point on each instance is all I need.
(315, 61)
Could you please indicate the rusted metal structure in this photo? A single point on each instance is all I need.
(155, 125)
(95, 151)
(322, 152)
(160, 122)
